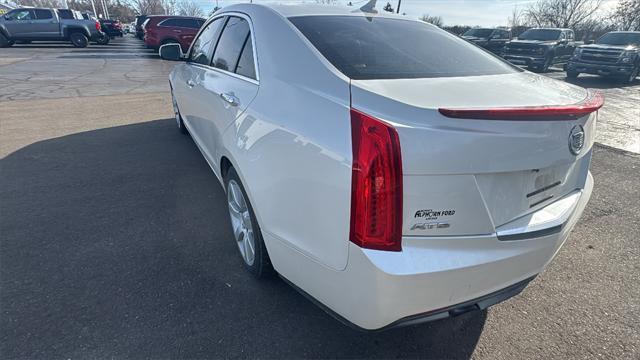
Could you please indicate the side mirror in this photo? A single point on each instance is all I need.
(171, 52)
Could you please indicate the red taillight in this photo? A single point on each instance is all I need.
(376, 184)
(98, 25)
(591, 103)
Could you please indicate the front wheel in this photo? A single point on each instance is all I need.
(4, 42)
(246, 231)
(176, 112)
(632, 77)
(79, 40)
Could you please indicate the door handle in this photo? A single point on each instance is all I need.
(190, 83)
(230, 99)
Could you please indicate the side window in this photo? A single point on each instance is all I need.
(65, 14)
(20, 15)
(246, 66)
(202, 47)
(42, 14)
(571, 36)
(563, 36)
(169, 22)
(231, 43)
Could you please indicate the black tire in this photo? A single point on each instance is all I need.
(79, 40)
(572, 74)
(4, 42)
(168, 41)
(547, 63)
(103, 40)
(261, 266)
(176, 112)
(632, 77)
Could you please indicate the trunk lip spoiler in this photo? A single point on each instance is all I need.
(591, 103)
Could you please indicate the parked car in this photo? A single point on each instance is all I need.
(41, 24)
(112, 28)
(615, 54)
(541, 48)
(491, 39)
(385, 181)
(164, 29)
(140, 19)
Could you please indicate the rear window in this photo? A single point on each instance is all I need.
(381, 48)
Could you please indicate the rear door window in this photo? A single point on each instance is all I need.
(381, 48)
(246, 66)
(203, 46)
(231, 43)
(42, 14)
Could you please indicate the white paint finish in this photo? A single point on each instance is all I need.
(290, 142)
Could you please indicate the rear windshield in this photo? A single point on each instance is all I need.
(381, 48)
(620, 39)
(540, 34)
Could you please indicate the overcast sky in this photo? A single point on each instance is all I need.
(453, 12)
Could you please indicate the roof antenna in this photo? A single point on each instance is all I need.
(369, 7)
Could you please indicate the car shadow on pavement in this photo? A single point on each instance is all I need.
(116, 243)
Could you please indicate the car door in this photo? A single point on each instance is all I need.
(18, 23)
(226, 88)
(45, 24)
(192, 72)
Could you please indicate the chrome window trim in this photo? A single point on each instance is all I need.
(255, 81)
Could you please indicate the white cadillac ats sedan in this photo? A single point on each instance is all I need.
(392, 172)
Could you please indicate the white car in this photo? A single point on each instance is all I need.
(392, 172)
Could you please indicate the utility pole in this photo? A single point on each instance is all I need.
(93, 5)
(398, 10)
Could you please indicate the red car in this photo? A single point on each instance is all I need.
(166, 29)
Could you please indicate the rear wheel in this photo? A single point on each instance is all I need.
(176, 112)
(103, 40)
(572, 74)
(79, 40)
(245, 228)
(168, 41)
(4, 42)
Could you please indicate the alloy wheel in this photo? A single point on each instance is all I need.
(241, 222)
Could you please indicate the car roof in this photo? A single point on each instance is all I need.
(294, 10)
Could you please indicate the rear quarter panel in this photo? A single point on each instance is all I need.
(292, 147)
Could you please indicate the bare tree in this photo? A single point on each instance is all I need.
(517, 17)
(627, 15)
(435, 20)
(562, 13)
(190, 8)
(148, 7)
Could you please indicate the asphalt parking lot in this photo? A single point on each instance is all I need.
(115, 242)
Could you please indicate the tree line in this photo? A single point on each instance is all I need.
(124, 10)
(587, 18)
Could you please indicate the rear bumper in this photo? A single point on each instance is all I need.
(525, 60)
(599, 69)
(431, 278)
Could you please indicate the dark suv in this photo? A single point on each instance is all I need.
(614, 54)
(493, 40)
(540, 48)
(140, 19)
